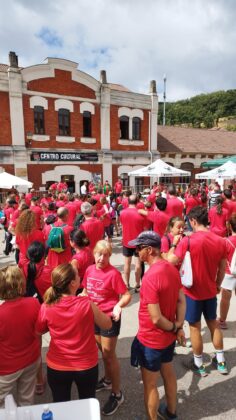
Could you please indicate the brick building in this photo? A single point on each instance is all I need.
(58, 122)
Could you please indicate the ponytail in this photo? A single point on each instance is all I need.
(62, 276)
(51, 296)
(219, 202)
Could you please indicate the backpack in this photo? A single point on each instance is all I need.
(232, 265)
(56, 240)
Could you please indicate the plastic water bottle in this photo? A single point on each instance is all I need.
(10, 408)
(47, 414)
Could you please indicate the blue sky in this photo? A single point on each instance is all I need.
(135, 41)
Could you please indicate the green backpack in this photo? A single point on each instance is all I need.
(56, 240)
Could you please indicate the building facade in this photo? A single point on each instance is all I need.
(59, 123)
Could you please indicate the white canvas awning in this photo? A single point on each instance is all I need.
(225, 171)
(9, 181)
(159, 168)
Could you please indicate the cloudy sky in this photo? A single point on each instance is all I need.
(193, 42)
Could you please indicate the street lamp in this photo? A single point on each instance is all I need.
(164, 101)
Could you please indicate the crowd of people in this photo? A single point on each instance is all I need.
(64, 283)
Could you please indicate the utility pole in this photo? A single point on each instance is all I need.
(164, 101)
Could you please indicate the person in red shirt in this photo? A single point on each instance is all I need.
(132, 224)
(105, 287)
(38, 211)
(26, 232)
(9, 210)
(105, 216)
(191, 201)
(208, 259)
(229, 282)
(161, 317)
(72, 210)
(174, 232)
(175, 206)
(218, 218)
(72, 355)
(228, 203)
(62, 186)
(158, 217)
(29, 196)
(83, 256)
(20, 347)
(92, 227)
(54, 258)
(118, 187)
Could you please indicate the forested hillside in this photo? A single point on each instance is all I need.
(203, 111)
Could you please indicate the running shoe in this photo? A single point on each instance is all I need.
(163, 413)
(200, 371)
(220, 366)
(103, 384)
(112, 404)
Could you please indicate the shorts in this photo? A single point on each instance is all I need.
(195, 309)
(114, 331)
(149, 358)
(229, 282)
(129, 252)
(108, 231)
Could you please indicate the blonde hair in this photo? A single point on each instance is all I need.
(61, 278)
(102, 247)
(12, 282)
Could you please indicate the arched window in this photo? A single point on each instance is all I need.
(136, 128)
(64, 122)
(39, 120)
(87, 124)
(124, 127)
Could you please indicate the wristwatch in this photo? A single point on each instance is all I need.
(174, 329)
(173, 246)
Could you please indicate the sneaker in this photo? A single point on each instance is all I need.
(112, 404)
(103, 384)
(163, 413)
(222, 324)
(220, 366)
(200, 371)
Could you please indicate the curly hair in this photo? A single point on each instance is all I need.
(26, 223)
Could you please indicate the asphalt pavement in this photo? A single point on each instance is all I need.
(212, 397)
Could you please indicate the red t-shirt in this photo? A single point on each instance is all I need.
(38, 214)
(160, 284)
(166, 242)
(54, 258)
(118, 187)
(72, 213)
(160, 220)
(71, 325)
(94, 230)
(104, 287)
(20, 347)
(84, 259)
(230, 205)
(230, 247)
(9, 211)
(23, 242)
(174, 207)
(207, 250)
(132, 223)
(192, 202)
(218, 221)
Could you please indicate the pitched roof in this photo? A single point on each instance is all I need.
(194, 140)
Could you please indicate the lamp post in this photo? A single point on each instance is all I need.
(164, 101)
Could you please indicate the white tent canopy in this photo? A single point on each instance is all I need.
(159, 169)
(9, 181)
(225, 171)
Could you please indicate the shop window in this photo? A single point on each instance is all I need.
(136, 128)
(124, 127)
(64, 122)
(87, 124)
(39, 120)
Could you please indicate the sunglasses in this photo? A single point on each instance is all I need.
(140, 247)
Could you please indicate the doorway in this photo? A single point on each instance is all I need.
(70, 180)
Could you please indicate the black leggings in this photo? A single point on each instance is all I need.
(60, 382)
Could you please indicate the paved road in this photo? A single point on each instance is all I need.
(208, 398)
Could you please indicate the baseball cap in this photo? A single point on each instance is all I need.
(148, 238)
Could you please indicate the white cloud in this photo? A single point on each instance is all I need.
(193, 42)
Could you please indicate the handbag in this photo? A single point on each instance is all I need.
(186, 272)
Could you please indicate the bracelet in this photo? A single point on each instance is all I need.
(173, 246)
(174, 329)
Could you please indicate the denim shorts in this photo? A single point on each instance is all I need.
(114, 331)
(149, 358)
(195, 309)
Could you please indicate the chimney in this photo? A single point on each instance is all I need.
(13, 59)
(103, 76)
(153, 87)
